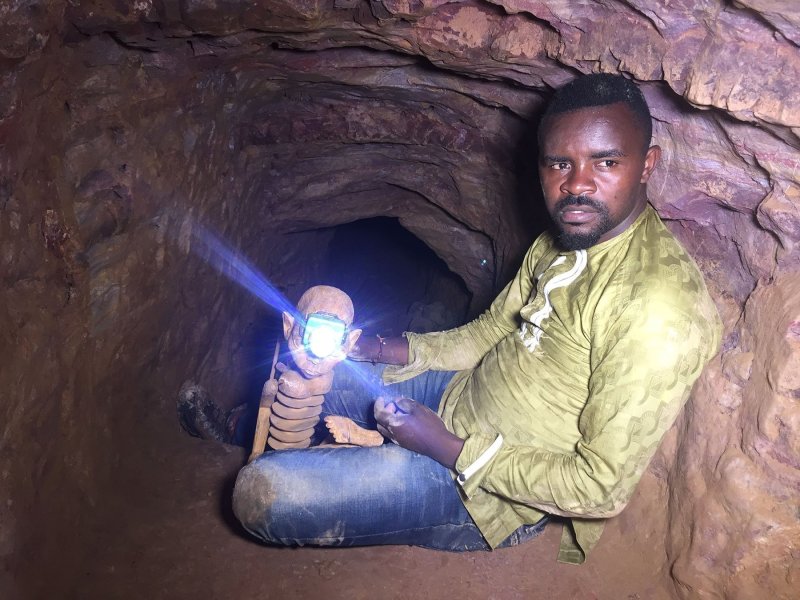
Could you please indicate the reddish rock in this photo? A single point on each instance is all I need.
(126, 127)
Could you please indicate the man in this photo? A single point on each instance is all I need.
(562, 389)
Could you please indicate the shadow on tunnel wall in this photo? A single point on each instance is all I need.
(527, 187)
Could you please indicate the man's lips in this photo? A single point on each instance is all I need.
(577, 215)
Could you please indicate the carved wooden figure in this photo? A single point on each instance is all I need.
(301, 388)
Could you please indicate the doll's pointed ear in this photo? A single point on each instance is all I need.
(350, 342)
(288, 323)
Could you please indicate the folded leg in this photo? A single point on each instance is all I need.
(351, 497)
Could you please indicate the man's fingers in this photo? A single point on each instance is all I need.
(379, 407)
(386, 413)
(405, 404)
(384, 405)
(389, 419)
(387, 434)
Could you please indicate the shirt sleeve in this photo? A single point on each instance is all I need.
(645, 361)
(464, 347)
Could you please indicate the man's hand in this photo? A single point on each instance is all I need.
(416, 427)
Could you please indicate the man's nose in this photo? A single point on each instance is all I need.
(579, 181)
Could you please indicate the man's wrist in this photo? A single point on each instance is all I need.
(395, 350)
(378, 349)
(366, 349)
(449, 450)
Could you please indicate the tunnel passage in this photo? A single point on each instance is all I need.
(397, 283)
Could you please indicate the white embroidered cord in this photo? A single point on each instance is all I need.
(481, 461)
(532, 340)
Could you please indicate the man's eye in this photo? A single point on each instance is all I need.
(608, 163)
(559, 166)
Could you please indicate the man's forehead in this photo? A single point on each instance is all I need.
(617, 112)
(615, 123)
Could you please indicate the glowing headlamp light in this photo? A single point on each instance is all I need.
(324, 334)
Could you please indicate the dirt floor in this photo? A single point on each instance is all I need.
(167, 531)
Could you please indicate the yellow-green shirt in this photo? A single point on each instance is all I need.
(570, 379)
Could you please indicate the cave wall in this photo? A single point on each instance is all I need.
(106, 308)
(123, 127)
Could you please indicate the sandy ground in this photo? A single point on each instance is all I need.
(167, 531)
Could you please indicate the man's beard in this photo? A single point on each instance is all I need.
(586, 239)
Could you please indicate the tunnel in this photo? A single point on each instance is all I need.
(387, 147)
(398, 282)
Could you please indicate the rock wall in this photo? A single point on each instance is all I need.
(124, 126)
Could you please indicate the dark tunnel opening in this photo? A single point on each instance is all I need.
(396, 281)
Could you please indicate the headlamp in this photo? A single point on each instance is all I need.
(324, 334)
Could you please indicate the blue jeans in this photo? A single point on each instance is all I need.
(361, 496)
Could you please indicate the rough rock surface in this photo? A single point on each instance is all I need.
(125, 128)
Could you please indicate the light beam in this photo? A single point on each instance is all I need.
(236, 267)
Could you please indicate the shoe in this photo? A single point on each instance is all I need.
(232, 420)
(199, 415)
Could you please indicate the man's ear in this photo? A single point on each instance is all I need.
(352, 338)
(650, 161)
(288, 323)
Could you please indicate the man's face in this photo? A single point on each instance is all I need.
(593, 166)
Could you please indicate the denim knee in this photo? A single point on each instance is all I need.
(253, 497)
(352, 496)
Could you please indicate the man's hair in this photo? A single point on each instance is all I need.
(601, 89)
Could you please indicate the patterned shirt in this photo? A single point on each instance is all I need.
(571, 378)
